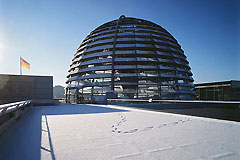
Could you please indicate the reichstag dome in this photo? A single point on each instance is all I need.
(129, 58)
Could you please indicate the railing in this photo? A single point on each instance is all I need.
(172, 101)
(6, 108)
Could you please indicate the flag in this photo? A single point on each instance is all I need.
(24, 63)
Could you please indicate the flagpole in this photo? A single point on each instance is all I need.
(20, 67)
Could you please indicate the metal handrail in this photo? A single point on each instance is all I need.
(6, 108)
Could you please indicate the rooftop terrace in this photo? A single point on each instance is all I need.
(112, 132)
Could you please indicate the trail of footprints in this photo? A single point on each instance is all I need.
(115, 127)
(123, 120)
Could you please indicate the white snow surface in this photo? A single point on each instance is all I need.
(87, 131)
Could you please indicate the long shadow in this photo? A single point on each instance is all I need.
(49, 140)
(77, 109)
(23, 140)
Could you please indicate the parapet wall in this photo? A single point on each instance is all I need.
(15, 88)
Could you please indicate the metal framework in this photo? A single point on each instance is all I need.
(134, 58)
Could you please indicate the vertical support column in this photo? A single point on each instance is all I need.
(137, 71)
(159, 69)
(77, 94)
(66, 95)
(113, 52)
(93, 81)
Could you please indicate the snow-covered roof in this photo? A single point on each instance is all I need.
(111, 132)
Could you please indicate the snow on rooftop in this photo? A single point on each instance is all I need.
(113, 132)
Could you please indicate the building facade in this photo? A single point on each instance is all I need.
(129, 58)
(22, 87)
(218, 91)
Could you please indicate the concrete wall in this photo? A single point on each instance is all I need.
(21, 87)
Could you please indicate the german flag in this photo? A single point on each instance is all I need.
(24, 63)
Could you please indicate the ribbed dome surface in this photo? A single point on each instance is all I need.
(132, 57)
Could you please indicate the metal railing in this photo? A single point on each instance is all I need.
(6, 108)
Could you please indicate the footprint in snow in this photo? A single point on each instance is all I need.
(162, 125)
(118, 123)
(131, 131)
(123, 119)
(174, 123)
(147, 128)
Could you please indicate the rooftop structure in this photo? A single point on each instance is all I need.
(219, 91)
(129, 58)
(15, 88)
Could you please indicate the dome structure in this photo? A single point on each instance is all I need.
(129, 58)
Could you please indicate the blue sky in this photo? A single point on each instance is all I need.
(47, 33)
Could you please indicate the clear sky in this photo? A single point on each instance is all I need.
(46, 33)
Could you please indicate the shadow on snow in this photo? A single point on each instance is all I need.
(23, 139)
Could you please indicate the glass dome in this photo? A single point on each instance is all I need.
(129, 58)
